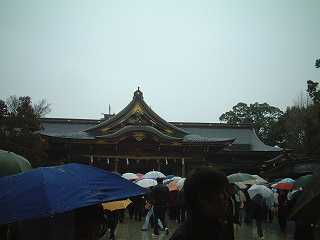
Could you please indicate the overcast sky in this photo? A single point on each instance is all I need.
(193, 60)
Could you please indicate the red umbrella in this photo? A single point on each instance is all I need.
(283, 186)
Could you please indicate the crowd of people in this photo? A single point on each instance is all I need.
(207, 207)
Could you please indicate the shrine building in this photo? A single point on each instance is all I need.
(138, 140)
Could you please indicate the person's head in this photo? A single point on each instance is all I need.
(232, 189)
(206, 193)
(159, 180)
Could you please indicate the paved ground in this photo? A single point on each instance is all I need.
(131, 230)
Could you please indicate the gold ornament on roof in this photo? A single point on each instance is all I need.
(137, 109)
(139, 136)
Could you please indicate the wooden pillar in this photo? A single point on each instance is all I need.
(116, 163)
(158, 165)
(183, 168)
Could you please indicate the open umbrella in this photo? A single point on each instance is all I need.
(169, 177)
(303, 181)
(259, 180)
(46, 191)
(283, 186)
(240, 177)
(265, 192)
(116, 205)
(11, 163)
(180, 183)
(260, 189)
(146, 183)
(240, 185)
(130, 176)
(287, 180)
(175, 179)
(307, 206)
(154, 175)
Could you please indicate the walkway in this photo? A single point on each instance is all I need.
(130, 230)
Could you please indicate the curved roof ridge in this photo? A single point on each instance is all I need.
(137, 98)
(264, 146)
(131, 128)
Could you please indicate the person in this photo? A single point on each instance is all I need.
(247, 206)
(138, 207)
(88, 222)
(159, 199)
(229, 227)
(243, 200)
(259, 213)
(172, 205)
(207, 202)
(283, 210)
(112, 219)
(181, 207)
(148, 217)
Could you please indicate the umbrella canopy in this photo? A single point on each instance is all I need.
(307, 206)
(130, 176)
(169, 177)
(11, 163)
(146, 183)
(287, 180)
(167, 181)
(283, 186)
(259, 180)
(180, 183)
(240, 185)
(43, 192)
(154, 175)
(303, 181)
(259, 189)
(240, 177)
(116, 205)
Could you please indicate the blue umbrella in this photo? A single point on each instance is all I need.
(45, 191)
(169, 177)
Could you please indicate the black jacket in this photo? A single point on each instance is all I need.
(196, 230)
(160, 195)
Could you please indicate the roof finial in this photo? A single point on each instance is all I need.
(138, 94)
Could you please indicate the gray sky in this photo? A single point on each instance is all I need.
(192, 59)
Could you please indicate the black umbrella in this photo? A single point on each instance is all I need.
(307, 206)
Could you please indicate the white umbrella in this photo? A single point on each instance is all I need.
(174, 179)
(241, 185)
(240, 177)
(146, 183)
(130, 176)
(260, 180)
(265, 192)
(154, 175)
(257, 180)
(180, 183)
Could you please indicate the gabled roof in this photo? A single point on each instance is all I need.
(137, 113)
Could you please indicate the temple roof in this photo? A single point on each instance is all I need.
(137, 117)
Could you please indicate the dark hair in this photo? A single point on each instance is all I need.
(159, 180)
(203, 182)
